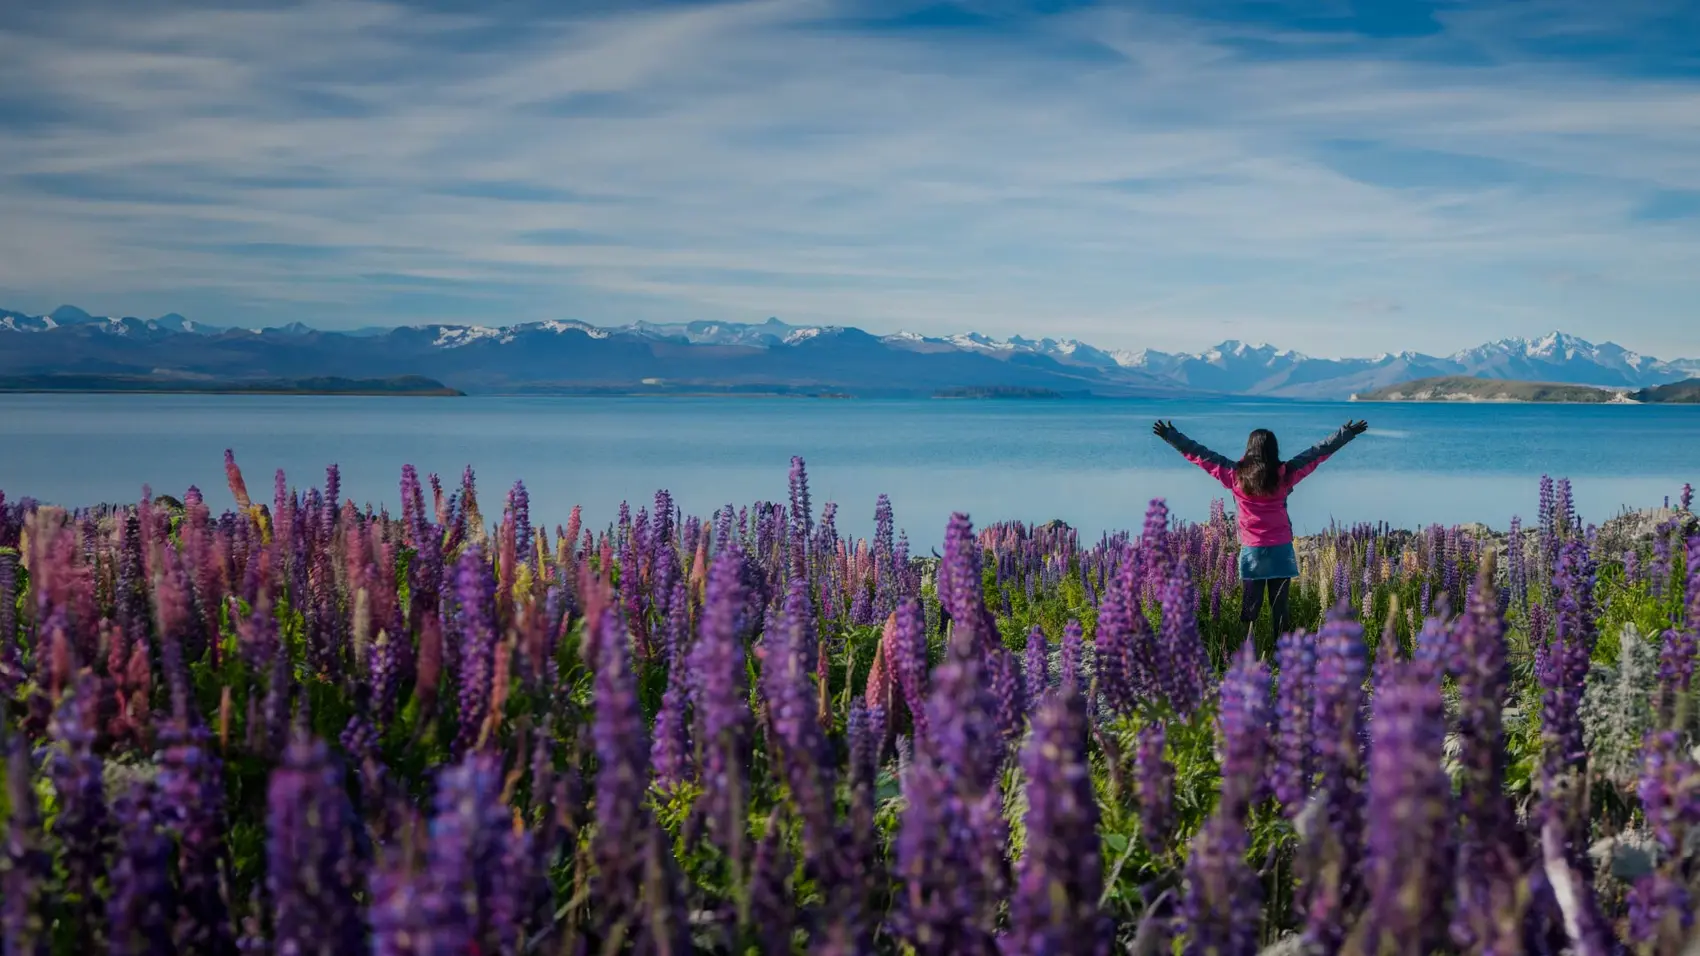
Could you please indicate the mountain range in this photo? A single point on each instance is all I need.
(573, 356)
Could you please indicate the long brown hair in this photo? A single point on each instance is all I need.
(1259, 472)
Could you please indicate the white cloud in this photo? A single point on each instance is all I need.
(742, 160)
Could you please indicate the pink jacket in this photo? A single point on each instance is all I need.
(1263, 520)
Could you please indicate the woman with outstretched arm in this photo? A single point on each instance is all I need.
(1260, 483)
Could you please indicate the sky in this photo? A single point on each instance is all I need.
(1334, 177)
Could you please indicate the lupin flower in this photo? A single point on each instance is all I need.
(1155, 777)
(1221, 900)
(670, 754)
(796, 731)
(11, 668)
(1407, 815)
(312, 855)
(81, 825)
(1070, 657)
(1243, 724)
(1184, 664)
(1054, 908)
(139, 913)
(475, 626)
(906, 656)
(622, 757)
(1036, 667)
(1333, 852)
(1290, 769)
(470, 856)
(24, 866)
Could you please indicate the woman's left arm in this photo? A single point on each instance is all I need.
(1311, 458)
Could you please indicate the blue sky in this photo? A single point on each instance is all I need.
(1336, 177)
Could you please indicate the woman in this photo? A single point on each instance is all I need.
(1260, 482)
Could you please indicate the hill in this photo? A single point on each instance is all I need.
(1467, 388)
(1676, 393)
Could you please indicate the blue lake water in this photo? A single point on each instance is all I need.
(1093, 464)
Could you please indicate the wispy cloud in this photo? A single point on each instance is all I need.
(1135, 174)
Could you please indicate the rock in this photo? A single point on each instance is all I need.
(1632, 854)
(1634, 528)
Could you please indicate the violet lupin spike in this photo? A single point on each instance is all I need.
(1036, 667)
(622, 757)
(1155, 778)
(474, 593)
(312, 855)
(670, 754)
(25, 866)
(1290, 770)
(1243, 725)
(81, 824)
(1408, 814)
(1073, 649)
(1054, 907)
(139, 911)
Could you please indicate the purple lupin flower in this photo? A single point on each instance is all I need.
(1243, 724)
(938, 911)
(622, 757)
(1155, 777)
(906, 655)
(525, 540)
(1119, 679)
(802, 517)
(1009, 690)
(1407, 815)
(191, 784)
(1488, 848)
(470, 856)
(475, 626)
(81, 825)
(1562, 672)
(1332, 855)
(802, 747)
(1687, 498)
(1185, 666)
(1036, 667)
(1069, 656)
(312, 855)
(1661, 913)
(11, 669)
(1054, 908)
(24, 866)
(1290, 769)
(670, 754)
(720, 695)
(1222, 901)
(772, 910)
(139, 912)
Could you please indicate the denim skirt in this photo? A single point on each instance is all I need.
(1266, 563)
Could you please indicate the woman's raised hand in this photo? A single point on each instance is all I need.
(1358, 427)
(1162, 429)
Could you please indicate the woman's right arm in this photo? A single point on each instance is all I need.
(1217, 466)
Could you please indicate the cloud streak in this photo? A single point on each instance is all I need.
(1136, 175)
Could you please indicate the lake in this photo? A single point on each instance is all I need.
(1093, 464)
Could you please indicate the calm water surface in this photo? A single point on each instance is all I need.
(1092, 464)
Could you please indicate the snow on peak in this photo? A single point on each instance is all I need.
(572, 325)
(455, 336)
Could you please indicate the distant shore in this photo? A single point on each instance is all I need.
(404, 387)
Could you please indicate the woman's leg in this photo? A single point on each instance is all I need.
(1278, 605)
(1251, 602)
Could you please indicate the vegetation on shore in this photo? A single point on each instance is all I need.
(306, 726)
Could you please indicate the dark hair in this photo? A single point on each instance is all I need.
(1259, 472)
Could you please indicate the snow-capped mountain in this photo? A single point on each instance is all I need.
(568, 352)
